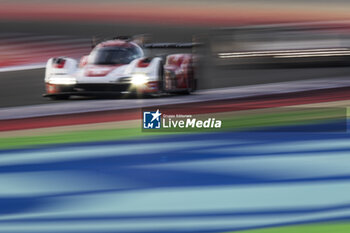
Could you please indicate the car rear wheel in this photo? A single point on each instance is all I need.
(191, 86)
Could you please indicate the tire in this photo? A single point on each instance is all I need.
(191, 82)
(191, 87)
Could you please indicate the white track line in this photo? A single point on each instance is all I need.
(23, 67)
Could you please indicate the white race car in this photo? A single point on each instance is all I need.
(120, 66)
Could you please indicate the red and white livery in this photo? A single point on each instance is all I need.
(121, 67)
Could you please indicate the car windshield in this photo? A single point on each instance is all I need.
(113, 56)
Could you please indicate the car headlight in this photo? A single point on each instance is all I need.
(139, 79)
(63, 81)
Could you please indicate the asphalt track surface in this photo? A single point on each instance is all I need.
(20, 88)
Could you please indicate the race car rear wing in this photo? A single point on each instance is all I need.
(142, 41)
(171, 45)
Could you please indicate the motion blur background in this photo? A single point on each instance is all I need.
(33, 31)
(280, 67)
